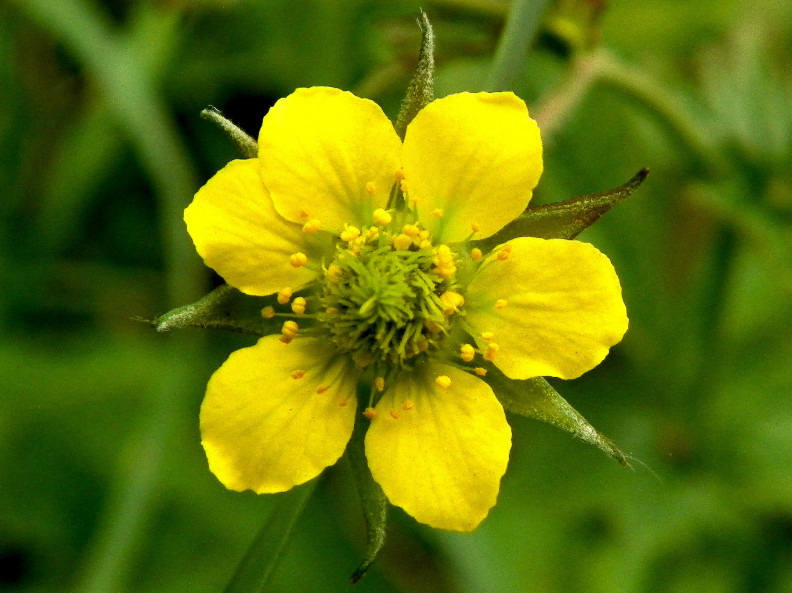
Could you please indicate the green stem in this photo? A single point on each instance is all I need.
(264, 554)
(520, 29)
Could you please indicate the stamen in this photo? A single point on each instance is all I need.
(322, 388)
(437, 212)
(382, 217)
(399, 175)
(350, 233)
(333, 273)
(402, 242)
(304, 214)
(370, 413)
(371, 188)
(310, 227)
(467, 352)
(407, 405)
(379, 383)
(289, 329)
(298, 260)
(501, 304)
(443, 381)
(298, 374)
(475, 227)
(394, 414)
(491, 352)
(268, 312)
(504, 253)
(452, 301)
(475, 254)
(285, 295)
(487, 336)
(411, 230)
(298, 305)
(480, 371)
(403, 186)
(343, 402)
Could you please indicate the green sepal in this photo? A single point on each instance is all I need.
(246, 144)
(536, 398)
(420, 91)
(567, 219)
(224, 308)
(372, 498)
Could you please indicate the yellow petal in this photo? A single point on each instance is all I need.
(554, 307)
(329, 155)
(275, 415)
(238, 233)
(440, 448)
(471, 159)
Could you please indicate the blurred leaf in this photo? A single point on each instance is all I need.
(536, 398)
(258, 565)
(223, 308)
(567, 219)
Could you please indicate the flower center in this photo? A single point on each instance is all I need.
(384, 297)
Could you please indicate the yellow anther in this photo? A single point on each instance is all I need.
(443, 254)
(333, 273)
(379, 383)
(331, 311)
(298, 305)
(343, 402)
(298, 260)
(475, 227)
(411, 230)
(298, 374)
(402, 242)
(475, 254)
(467, 352)
(452, 301)
(431, 326)
(394, 414)
(491, 352)
(322, 388)
(446, 270)
(290, 328)
(398, 175)
(407, 405)
(268, 312)
(304, 214)
(382, 217)
(443, 381)
(480, 371)
(373, 232)
(371, 189)
(369, 413)
(311, 226)
(286, 339)
(437, 212)
(350, 233)
(487, 336)
(504, 253)
(501, 304)
(285, 295)
(425, 244)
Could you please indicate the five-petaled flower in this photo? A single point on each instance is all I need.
(370, 245)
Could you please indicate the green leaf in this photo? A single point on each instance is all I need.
(567, 219)
(258, 565)
(536, 398)
(224, 308)
(420, 92)
(372, 498)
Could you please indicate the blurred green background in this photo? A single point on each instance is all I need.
(103, 483)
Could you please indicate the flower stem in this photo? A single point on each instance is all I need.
(520, 29)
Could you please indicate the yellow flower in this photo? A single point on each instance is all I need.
(374, 233)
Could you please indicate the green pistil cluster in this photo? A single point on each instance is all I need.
(381, 302)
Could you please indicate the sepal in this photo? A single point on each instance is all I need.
(420, 92)
(372, 498)
(224, 308)
(536, 398)
(567, 219)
